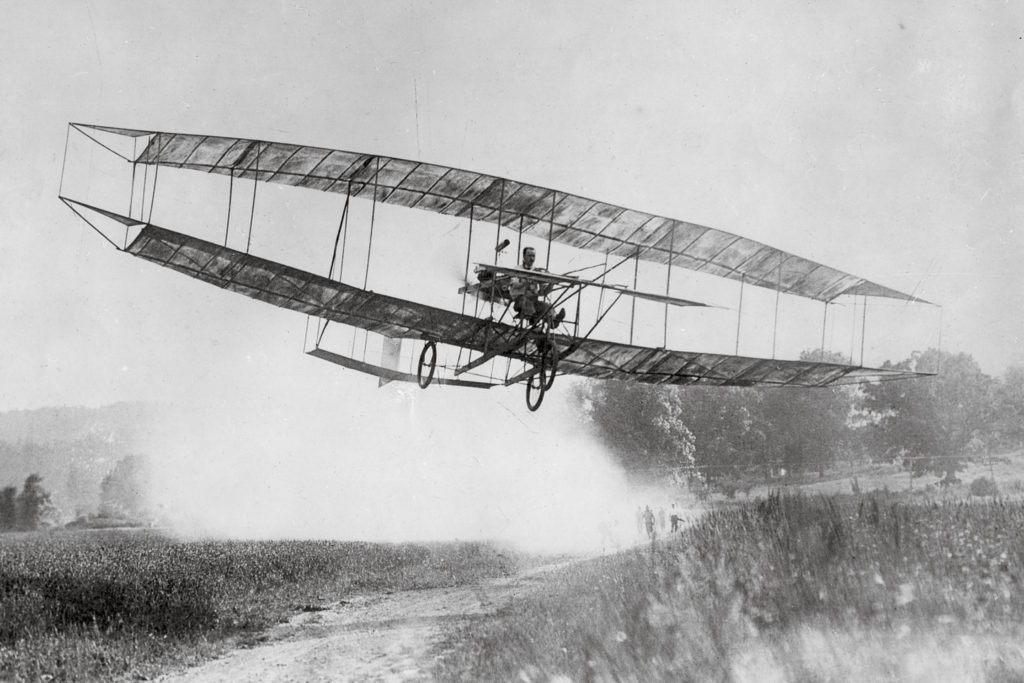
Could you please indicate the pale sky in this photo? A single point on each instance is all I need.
(883, 139)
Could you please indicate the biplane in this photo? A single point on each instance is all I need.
(511, 315)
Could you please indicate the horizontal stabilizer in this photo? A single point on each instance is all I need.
(568, 281)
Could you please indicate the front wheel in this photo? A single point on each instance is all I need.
(549, 364)
(535, 391)
(429, 352)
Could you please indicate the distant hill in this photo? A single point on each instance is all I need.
(72, 448)
(120, 421)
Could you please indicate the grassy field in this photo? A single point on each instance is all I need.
(790, 588)
(787, 588)
(1005, 469)
(107, 605)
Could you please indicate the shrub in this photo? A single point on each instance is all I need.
(983, 486)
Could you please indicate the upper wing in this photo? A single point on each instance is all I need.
(566, 218)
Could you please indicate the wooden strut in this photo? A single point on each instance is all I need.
(152, 199)
(145, 187)
(490, 317)
(131, 195)
(668, 283)
(778, 291)
(863, 326)
(490, 353)
(632, 314)
(252, 210)
(369, 250)
(373, 217)
(231, 188)
(576, 324)
(604, 275)
(497, 232)
(469, 248)
(519, 242)
(519, 251)
(551, 226)
(739, 313)
(497, 242)
(853, 327)
(824, 324)
(344, 236)
(342, 229)
(525, 374)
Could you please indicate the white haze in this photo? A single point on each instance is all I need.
(394, 464)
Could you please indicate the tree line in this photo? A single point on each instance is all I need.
(28, 510)
(929, 425)
(122, 495)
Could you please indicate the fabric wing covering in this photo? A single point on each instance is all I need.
(319, 296)
(546, 213)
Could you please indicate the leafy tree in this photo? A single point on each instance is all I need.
(934, 423)
(1008, 408)
(122, 492)
(33, 504)
(8, 508)
(727, 427)
(809, 428)
(641, 423)
(720, 432)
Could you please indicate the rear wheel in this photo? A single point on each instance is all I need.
(428, 362)
(542, 380)
(535, 391)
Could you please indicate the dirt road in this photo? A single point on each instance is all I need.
(381, 637)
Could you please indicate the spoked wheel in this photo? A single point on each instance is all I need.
(535, 391)
(540, 382)
(549, 363)
(428, 362)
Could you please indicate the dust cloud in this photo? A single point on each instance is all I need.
(393, 464)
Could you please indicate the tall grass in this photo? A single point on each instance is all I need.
(788, 588)
(104, 605)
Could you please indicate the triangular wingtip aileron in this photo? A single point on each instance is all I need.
(129, 132)
(868, 288)
(124, 220)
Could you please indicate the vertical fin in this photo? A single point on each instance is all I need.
(389, 357)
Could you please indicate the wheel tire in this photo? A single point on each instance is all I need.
(549, 364)
(534, 389)
(424, 381)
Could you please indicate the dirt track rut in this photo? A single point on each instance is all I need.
(379, 637)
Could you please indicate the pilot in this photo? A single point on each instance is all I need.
(528, 295)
